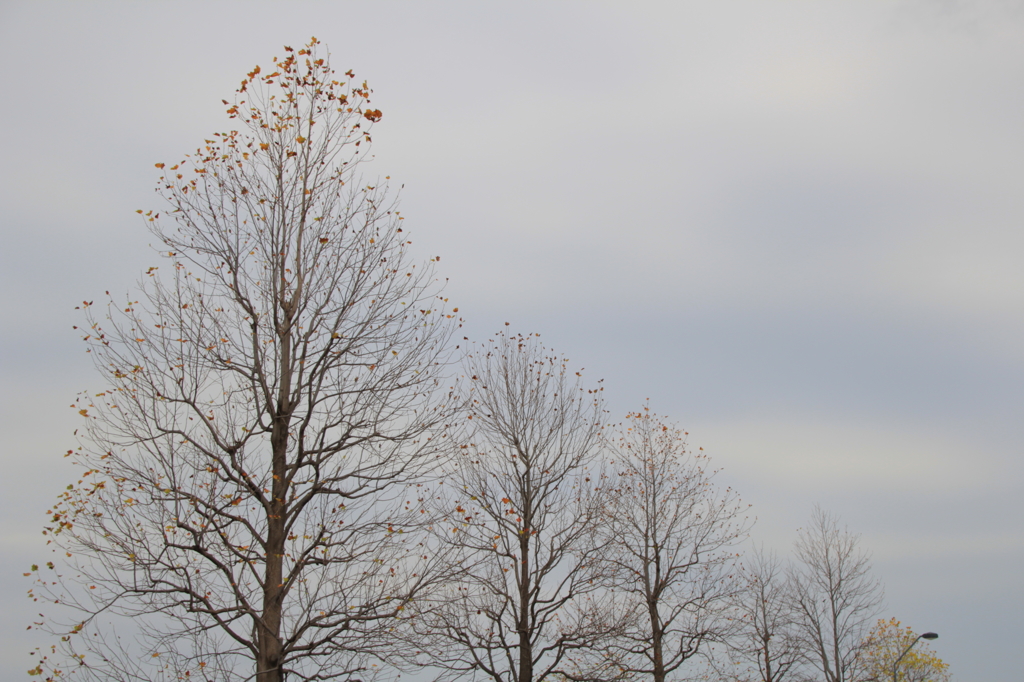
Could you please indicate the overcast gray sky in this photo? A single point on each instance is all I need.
(795, 226)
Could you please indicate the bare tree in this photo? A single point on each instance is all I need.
(834, 596)
(670, 534)
(267, 402)
(766, 645)
(522, 507)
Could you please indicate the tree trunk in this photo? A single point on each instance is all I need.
(525, 645)
(657, 644)
(270, 658)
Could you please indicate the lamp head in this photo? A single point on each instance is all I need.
(929, 635)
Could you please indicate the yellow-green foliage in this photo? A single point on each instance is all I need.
(887, 640)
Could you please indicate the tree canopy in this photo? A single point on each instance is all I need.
(270, 393)
(884, 645)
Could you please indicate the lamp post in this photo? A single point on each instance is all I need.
(927, 635)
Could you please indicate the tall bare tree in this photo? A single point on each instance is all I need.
(670, 535)
(766, 646)
(523, 505)
(834, 596)
(267, 401)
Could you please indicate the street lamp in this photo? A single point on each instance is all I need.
(927, 635)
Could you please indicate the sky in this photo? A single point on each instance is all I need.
(794, 227)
